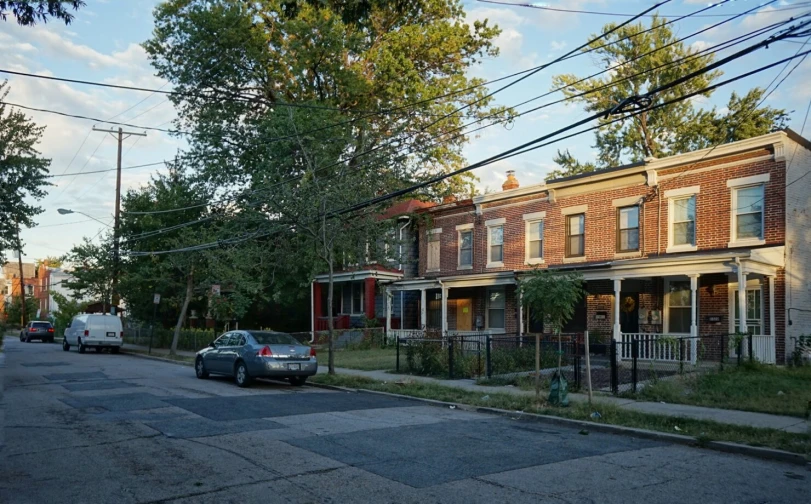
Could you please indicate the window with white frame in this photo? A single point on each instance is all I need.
(433, 249)
(496, 304)
(747, 203)
(495, 242)
(534, 241)
(683, 221)
(466, 248)
(679, 307)
(628, 229)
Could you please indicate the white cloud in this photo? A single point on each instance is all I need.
(557, 46)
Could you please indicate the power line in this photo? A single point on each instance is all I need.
(637, 106)
(620, 14)
(107, 169)
(727, 44)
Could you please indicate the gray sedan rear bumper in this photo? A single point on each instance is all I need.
(268, 367)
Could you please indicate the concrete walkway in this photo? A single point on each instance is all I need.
(735, 417)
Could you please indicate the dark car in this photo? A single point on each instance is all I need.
(249, 354)
(43, 331)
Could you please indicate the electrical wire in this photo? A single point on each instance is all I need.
(621, 14)
(533, 144)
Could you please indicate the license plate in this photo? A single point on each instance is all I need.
(111, 335)
(294, 367)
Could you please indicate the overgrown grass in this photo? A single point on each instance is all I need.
(703, 430)
(751, 387)
(372, 359)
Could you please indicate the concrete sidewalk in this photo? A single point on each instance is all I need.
(735, 417)
(761, 420)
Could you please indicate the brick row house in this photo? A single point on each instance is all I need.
(670, 246)
(37, 282)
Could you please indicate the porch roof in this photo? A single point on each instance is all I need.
(456, 282)
(373, 271)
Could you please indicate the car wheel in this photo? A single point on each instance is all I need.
(28, 339)
(115, 349)
(82, 348)
(21, 338)
(241, 375)
(297, 381)
(200, 369)
(65, 345)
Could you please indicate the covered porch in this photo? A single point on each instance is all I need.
(687, 308)
(358, 298)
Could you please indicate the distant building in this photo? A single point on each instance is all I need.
(36, 281)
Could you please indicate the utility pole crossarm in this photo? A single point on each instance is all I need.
(120, 134)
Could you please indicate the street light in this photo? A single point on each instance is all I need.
(65, 211)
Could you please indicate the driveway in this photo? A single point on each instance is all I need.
(115, 428)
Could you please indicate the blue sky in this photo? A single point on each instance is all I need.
(103, 44)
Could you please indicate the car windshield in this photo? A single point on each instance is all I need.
(274, 338)
(41, 324)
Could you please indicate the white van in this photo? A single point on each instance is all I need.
(97, 331)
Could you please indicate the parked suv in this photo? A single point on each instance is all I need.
(94, 331)
(43, 331)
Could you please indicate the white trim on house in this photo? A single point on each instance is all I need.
(534, 216)
(434, 231)
(513, 193)
(348, 276)
(627, 202)
(736, 186)
(749, 181)
(462, 227)
(496, 222)
(492, 224)
(572, 210)
(683, 191)
(686, 247)
(529, 220)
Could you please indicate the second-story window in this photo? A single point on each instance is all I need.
(576, 235)
(433, 249)
(466, 248)
(535, 240)
(495, 244)
(684, 221)
(628, 229)
(748, 205)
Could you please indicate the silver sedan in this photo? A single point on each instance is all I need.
(257, 354)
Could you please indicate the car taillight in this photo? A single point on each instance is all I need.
(312, 352)
(50, 329)
(265, 352)
(122, 334)
(86, 332)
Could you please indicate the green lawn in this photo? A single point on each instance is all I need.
(366, 360)
(702, 430)
(765, 389)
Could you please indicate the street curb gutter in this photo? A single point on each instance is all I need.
(156, 358)
(722, 446)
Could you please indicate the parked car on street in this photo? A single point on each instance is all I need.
(94, 331)
(250, 354)
(43, 331)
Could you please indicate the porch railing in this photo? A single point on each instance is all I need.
(759, 346)
(658, 347)
(339, 322)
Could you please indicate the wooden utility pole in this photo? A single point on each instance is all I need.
(22, 276)
(120, 136)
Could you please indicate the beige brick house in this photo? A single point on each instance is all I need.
(668, 246)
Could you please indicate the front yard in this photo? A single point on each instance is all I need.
(373, 359)
(751, 387)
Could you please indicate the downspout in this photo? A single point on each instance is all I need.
(400, 238)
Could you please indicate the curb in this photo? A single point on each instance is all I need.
(721, 446)
(155, 358)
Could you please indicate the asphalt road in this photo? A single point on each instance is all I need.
(114, 428)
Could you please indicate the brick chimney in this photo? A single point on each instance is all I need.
(511, 182)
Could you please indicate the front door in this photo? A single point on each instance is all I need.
(629, 312)
(464, 314)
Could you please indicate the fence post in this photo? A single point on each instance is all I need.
(614, 370)
(634, 359)
(681, 355)
(740, 350)
(751, 352)
(450, 358)
(397, 367)
(488, 362)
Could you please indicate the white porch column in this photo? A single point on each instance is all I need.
(423, 309)
(772, 321)
(388, 312)
(520, 313)
(444, 311)
(693, 317)
(742, 300)
(617, 287)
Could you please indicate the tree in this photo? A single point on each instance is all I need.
(182, 278)
(50, 261)
(92, 274)
(14, 309)
(551, 298)
(28, 12)
(666, 131)
(358, 57)
(22, 173)
(67, 309)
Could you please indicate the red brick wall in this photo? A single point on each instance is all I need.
(712, 226)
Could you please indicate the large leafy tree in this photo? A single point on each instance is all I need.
(234, 62)
(669, 130)
(28, 12)
(22, 173)
(183, 279)
(92, 270)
